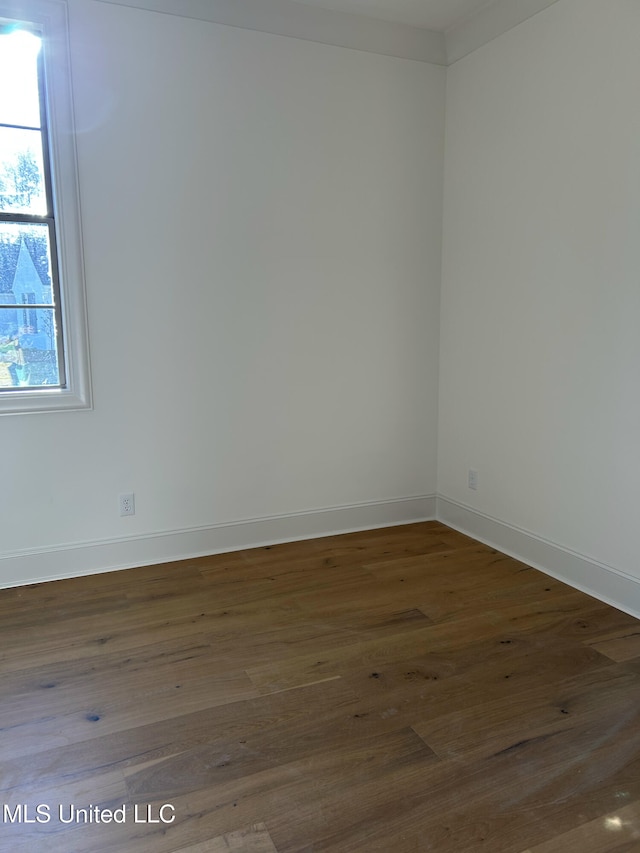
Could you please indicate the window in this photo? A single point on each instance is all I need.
(43, 342)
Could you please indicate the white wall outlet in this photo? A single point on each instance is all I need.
(127, 504)
(473, 479)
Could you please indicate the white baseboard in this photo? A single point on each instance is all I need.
(87, 558)
(603, 582)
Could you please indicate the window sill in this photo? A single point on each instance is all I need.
(39, 400)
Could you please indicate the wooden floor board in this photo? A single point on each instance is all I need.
(616, 832)
(254, 839)
(625, 645)
(403, 689)
(609, 694)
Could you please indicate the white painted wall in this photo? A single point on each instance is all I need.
(262, 230)
(540, 354)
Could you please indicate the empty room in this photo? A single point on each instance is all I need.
(320, 422)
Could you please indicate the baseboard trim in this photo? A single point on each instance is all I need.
(596, 579)
(87, 558)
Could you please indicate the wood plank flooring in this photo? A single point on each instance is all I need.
(395, 690)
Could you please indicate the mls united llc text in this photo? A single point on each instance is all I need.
(43, 813)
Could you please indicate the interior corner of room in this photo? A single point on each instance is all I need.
(327, 281)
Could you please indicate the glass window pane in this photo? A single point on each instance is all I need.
(28, 353)
(19, 103)
(28, 334)
(25, 264)
(22, 186)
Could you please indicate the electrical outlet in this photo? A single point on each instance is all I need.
(473, 479)
(127, 504)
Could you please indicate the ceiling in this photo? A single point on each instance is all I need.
(435, 31)
(430, 14)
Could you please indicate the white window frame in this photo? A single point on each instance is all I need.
(51, 18)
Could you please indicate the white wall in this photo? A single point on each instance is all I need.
(540, 355)
(262, 230)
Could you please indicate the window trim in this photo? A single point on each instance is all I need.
(51, 17)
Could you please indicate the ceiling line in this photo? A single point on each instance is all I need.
(354, 31)
(310, 23)
(488, 23)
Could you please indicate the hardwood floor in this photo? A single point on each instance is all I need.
(396, 690)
